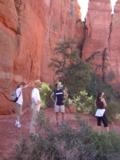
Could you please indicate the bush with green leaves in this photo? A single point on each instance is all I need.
(70, 68)
(107, 145)
(67, 143)
(45, 92)
(98, 85)
(77, 73)
(84, 102)
(77, 77)
(112, 97)
(113, 111)
(66, 53)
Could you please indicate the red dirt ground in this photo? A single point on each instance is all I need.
(10, 136)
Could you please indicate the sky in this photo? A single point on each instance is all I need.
(84, 7)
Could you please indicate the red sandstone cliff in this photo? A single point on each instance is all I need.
(114, 48)
(97, 33)
(29, 30)
(102, 40)
(61, 25)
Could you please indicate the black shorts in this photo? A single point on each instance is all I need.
(103, 120)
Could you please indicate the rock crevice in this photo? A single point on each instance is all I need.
(102, 40)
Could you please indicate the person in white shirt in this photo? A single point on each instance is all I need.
(35, 106)
(19, 104)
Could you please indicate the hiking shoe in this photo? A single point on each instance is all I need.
(17, 124)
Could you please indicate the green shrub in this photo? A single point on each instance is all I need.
(98, 85)
(45, 92)
(113, 110)
(66, 53)
(77, 77)
(70, 144)
(84, 102)
(107, 146)
(72, 70)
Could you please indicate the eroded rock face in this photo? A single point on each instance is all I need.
(61, 25)
(102, 40)
(97, 32)
(114, 50)
(8, 48)
(29, 31)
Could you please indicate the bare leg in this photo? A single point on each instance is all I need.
(18, 112)
(18, 115)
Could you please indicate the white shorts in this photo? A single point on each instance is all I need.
(100, 112)
(59, 108)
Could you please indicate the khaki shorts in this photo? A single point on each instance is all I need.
(59, 108)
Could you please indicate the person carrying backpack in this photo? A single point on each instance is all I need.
(19, 103)
(17, 97)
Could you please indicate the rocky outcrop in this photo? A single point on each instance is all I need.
(101, 45)
(29, 31)
(114, 49)
(61, 25)
(99, 39)
(97, 31)
(8, 48)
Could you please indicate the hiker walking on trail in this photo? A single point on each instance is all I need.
(58, 98)
(101, 111)
(35, 106)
